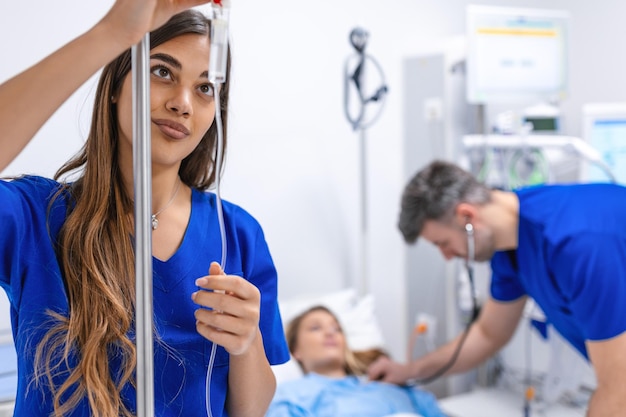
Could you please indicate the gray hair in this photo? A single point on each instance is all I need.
(434, 193)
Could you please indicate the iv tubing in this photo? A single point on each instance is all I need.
(220, 216)
(217, 74)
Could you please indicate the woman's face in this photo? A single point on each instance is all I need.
(321, 344)
(181, 101)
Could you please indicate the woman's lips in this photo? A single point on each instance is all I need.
(172, 129)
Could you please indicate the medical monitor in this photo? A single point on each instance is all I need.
(516, 54)
(604, 128)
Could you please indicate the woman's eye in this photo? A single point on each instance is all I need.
(207, 89)
(161, 72)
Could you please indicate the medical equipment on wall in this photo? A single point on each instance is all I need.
(516, 54)
(508, 169)
(140, 53)
(544, 118)
(510, 161)
(355, 86)
(604, 128)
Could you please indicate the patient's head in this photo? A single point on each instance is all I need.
(317, 341)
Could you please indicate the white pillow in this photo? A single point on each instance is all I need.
(355, 314)
(338, 302)
(361, 325)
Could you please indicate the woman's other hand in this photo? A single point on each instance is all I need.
(231, 310)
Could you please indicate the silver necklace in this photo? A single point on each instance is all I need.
(155, 221)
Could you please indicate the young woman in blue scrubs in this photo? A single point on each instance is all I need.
(562, 245)
(66, 248)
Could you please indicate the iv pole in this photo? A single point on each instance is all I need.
(142, 171)
(358, 38)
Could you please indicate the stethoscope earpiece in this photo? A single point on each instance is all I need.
(469, 261)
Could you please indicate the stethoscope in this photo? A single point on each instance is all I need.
(469, 266)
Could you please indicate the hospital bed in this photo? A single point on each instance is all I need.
(497, 402)
(358, 319)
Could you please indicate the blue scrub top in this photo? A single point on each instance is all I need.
(30, 274)
(571, 259)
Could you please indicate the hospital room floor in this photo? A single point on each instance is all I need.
(495, 402)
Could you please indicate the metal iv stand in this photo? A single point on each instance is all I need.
(358, 38)
(142, 171)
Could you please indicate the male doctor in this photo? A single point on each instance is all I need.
(562, 245)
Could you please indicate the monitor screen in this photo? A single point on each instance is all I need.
(516, 54)
(605, 130)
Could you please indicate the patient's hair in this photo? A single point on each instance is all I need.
(356, 362)
(434, 193)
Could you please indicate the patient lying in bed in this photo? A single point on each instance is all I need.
(334, 384)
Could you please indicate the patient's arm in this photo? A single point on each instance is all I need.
(491, 331)
(608, 358)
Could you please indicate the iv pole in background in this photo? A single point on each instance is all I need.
(358, 40)
(142, 171)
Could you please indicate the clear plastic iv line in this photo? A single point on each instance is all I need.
(220, 217)
(217, 75)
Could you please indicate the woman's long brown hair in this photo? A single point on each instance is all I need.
(96, 252)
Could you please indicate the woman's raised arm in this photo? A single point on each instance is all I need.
(29, 99)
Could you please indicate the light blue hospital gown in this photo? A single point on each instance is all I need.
(320, 396)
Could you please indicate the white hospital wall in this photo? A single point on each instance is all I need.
(293, 159)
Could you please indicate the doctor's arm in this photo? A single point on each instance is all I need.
(494, 327)
(608, 358)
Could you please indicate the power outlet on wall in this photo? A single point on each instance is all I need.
(426, 326)
(423, 336)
